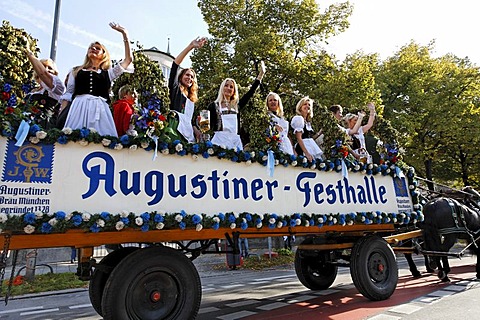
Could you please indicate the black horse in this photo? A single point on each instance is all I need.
(446, 220)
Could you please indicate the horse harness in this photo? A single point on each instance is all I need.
(457, 214)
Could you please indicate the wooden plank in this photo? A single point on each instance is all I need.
(82, 239)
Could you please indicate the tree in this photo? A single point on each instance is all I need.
(427, 100)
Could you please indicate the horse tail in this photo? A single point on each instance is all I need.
(431, 236)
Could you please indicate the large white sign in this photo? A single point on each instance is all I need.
(93, 179)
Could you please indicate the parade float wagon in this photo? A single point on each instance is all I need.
(78, 194)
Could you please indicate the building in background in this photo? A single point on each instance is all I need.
(164, 60)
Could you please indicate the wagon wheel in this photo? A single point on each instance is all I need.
(373, 268)
(100, 276)
(152, 283)
(315, 271)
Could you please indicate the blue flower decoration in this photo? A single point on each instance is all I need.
(182, 225)
(195, 148)
(125, 139)
(29, 218)
(221, 216)
(196, 219)
(84, 132)
(144, 227)
(105, 215)
(46, 227)
(62, 140)
(158, 218)
(215, 226)
(95, 228)
(205, 155)
(60, 215)
(77, 220)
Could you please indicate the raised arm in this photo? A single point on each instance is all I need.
(39, 68)
(195, 44)
(246, 97)
(371, 117)
(128, 53)
(357, 125)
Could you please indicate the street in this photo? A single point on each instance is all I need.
(277, 294)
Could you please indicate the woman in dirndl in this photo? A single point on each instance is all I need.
(88, 87)
(302, 128)
(225, 112)
(183, 89)
(275, 111)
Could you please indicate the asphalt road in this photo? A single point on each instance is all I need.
(277, 294)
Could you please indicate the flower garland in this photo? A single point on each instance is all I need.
(37, 222)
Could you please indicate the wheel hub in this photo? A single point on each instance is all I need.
(155, 296)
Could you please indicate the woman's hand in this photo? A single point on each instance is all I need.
(278, 128)
(262, 70)
(198, 42)
(308, 156)
(119, 28)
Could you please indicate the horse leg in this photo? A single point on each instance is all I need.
(444, 270)
(430, 264)
(412, 266)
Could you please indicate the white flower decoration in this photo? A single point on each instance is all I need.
(119, 225)
(298, 222)
(233, 225)
(67, 131)
(164, 151)
(144, 145)
(38, 215)
(3, 217)
(271, 220)
(93, 130)
(259, 226)
(216, 219)
(52, 222)
(307, 223)
(138, 221)
(294, 163)
(124, 214)
(279, 224)
(106, 142)
(41, 134)
(198, 227)
(83, 142)
(29, 229)
(210, 151)
(179, 147)
(160, 226)
(133, 147)
(248, 162)
(86, 216)
(101, 223)
(178, 218)
(195, 157)
(252, 154)
(118, 146)
(34, 140)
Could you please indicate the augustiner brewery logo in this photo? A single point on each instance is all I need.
(28, 163)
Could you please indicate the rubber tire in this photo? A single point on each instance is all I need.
(160, 273)
(99, 277)
(314, 272)
(373, 268)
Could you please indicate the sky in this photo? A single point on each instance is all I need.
(376, 26)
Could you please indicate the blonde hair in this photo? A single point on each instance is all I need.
(301, 103)
(124, 90)
(233, 99)
(105, 64)
(46, 62)
(280, 104)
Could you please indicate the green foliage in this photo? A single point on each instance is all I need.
(15, 68)
(431, 101)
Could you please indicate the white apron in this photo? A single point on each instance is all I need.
(185, 121)
(228, 138)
